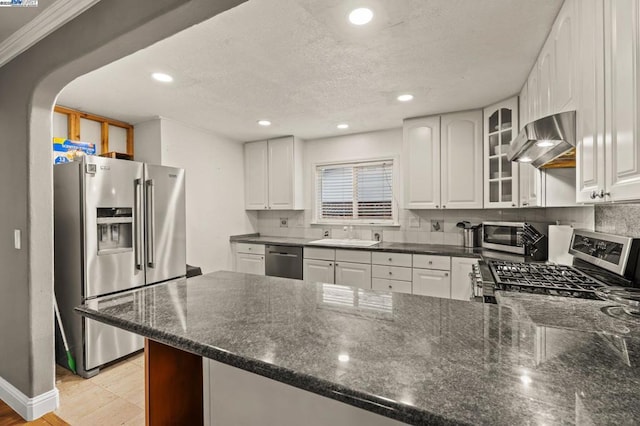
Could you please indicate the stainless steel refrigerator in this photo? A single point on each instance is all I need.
(118, 225)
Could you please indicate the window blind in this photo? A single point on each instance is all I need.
(360, 191)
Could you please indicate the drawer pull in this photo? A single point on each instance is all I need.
(390, 260)
(390, 286)
(446, 274)
(390, 273)
(430, 262)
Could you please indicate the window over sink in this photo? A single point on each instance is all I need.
(355, 193)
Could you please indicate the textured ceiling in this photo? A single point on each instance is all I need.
(300, 64)
(12, 18)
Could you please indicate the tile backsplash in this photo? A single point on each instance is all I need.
(619, 219)
(421, 226)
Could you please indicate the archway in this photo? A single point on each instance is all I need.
(29, 85)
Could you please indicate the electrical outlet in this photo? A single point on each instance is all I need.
(436, 226)
(284, 222)
(326, 233)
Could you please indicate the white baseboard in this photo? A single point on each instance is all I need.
(29, 408)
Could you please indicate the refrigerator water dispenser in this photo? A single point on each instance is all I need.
(115, 230)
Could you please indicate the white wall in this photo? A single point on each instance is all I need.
(415, 225)
(214, 186)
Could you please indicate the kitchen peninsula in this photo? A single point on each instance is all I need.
(396, 357)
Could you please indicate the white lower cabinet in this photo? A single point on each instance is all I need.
(353, 274)
(319, 271)
(384, 284)
(431, 282)
(249, 258)
(232, 396)
(250, 263)
(461, 267)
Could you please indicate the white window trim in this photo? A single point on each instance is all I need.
(394, 222)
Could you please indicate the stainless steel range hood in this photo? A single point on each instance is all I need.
(547, 142)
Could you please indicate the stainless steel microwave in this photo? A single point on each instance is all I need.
(513, 237)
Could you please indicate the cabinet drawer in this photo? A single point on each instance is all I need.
(319, 253)
(355, 256)
(427, 261)
(391, 272)
(391, 259)
(431, 282)
(250, 248)
(391, 285)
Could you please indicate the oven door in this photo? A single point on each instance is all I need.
(503, 237)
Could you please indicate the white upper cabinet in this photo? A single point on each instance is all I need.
(552, 85)
(564, 38)
(590, 158)
(545, 77)
(622, 68)
(461, 154)
(442, 161)
(533, 96)
(256, 170)
(421, 163)
(273, 174)
(501, 185)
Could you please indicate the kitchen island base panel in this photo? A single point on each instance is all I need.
(237, 397)
(173, 385)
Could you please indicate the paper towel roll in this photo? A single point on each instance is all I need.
(559, 240)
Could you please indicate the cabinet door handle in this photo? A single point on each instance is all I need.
(437, 206)
(446, 274)
(390, 260)
(593, 195)
(513, 204)
(444, 207)
(430, 262)
(331, 264)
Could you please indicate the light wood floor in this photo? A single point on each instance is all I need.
(8, 417)
(113, 397)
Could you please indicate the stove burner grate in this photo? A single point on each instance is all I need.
(540, 278)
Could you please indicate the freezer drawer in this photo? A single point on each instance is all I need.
(104, 343)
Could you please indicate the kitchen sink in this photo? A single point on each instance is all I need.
(344, 243)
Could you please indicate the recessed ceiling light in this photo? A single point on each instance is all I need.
(361, 16)
(264, 123)
(405, 98)
(545, 143)
(160, 76)
(343, 126)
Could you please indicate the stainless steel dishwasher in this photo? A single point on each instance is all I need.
(283, 261)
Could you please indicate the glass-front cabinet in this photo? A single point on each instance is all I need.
(500, 175)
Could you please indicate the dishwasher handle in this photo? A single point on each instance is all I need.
(275, 253)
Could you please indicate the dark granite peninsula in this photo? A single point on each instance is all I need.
(415, 359)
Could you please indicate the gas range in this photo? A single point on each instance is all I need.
(600, 261)
(542, 278)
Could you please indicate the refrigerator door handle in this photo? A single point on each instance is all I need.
(151, 228)
(138, 224)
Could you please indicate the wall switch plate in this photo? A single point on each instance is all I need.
(17, 239)
(436, 226)
(284, 222)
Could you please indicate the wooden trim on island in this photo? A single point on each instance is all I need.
(173, 386)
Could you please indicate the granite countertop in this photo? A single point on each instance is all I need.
(417, 359)
(414, 248)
